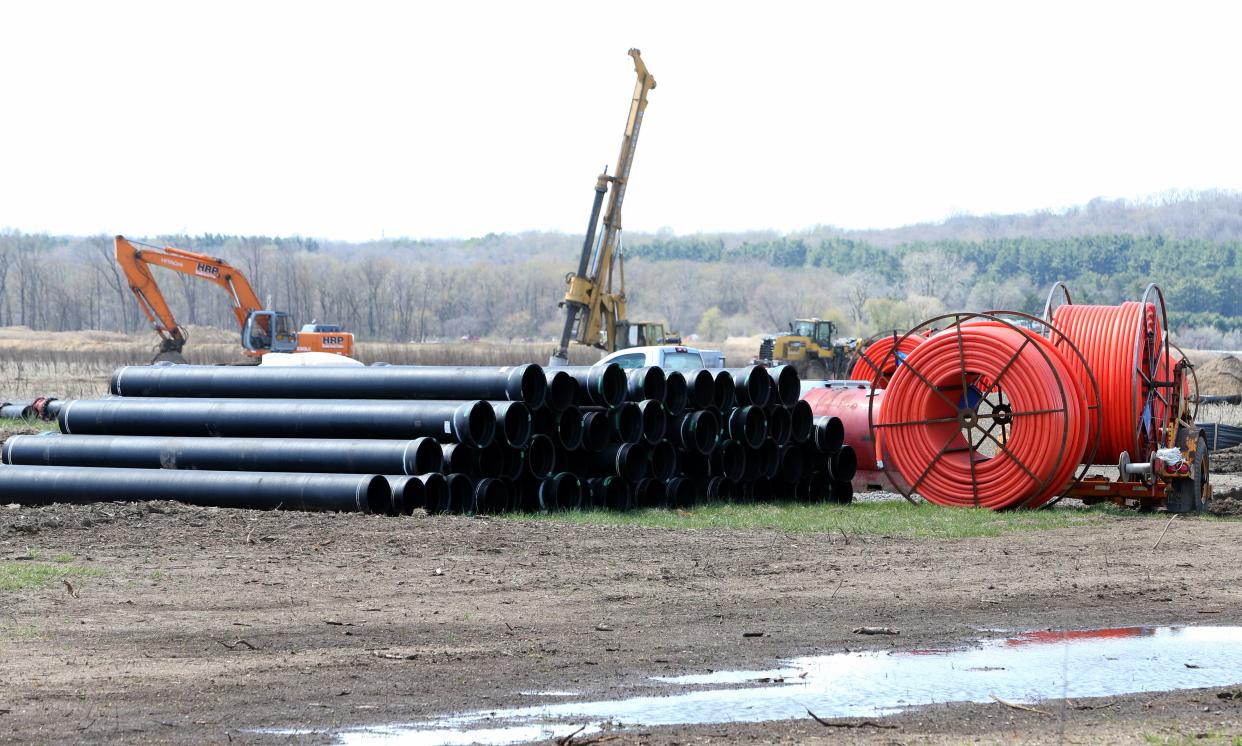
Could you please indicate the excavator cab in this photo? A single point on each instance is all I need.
(269, 331)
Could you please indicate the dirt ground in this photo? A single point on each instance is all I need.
(204, 623)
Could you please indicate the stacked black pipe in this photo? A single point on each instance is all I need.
(442, 439)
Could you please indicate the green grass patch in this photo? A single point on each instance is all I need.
(888, 518)
(16, 576)
(17, 427)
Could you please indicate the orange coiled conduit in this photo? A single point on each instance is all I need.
(921, 431)
(878, 362)
(1107, 337)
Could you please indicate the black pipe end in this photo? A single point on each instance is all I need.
(457, 458)
(491, 461)
(655, 420)
(725, 394)
(631, 461)
(560, 492)
(770, 453)
(541, 457)
(596, 431)
(844, 464)
(435, 493)
(610, 493)
(704, 430)
(646, 383)
(460, 495)
(753, 385)
(791, 463)
(801, 421)
(815, 488)
(562, 390)
(423, 456)
(700, 388)
(842, 492)
(513, 463)
(649, 493)
(374, 495)
(729, 460)
(528, 384)
(780, 425)
(569, 428)
(491, 496)
(829, 434)
(675, 392)
(627, 422)
(607, 385)
(474, 423)
(663, 458)
(514, 421)
(788, 384)
(749, 425)
(679, 493)
(114, 383)
(720, 489)
(7, 449)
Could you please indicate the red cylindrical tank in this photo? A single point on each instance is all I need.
(849, 404)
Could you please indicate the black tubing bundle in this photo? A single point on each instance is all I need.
(364, 493)
(575, 438)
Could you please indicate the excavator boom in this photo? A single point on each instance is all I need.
(263, 330)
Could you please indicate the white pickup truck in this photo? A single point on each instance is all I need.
(668, 357)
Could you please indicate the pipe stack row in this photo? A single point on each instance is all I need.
(42, 408)
(394, 439)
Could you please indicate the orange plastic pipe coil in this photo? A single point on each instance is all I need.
(877, 363)
(921, 435)
(1107, 336)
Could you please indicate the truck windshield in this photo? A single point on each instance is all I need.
(682, 361)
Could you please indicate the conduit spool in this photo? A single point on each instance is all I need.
(1126, 349)
(984, 414)
(881, 356)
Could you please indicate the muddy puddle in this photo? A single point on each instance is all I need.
(1027, 667)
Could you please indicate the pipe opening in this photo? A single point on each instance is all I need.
(791, 463)
(532, 386)
(679, 493)
(844, 464)
(649, 493)
(704, 431)
(607, 385)
(457, 458)
(569, 428)
(801, 422)
(562, 390)
(655, 420)
(515, 423)
(435, 493)
(842, 492)
(700, 388)
(627, 422)
(423, 455)
(755, 384)
(646, 383)
(631, 461)
(491, 461)
(725, 394)
(460, 494)
(513, 463)
(749, 425)
(475, 423)
(413, 496)
(596, 431)
(829, 434)
(541, 457)
(729, 460)
(770, 452)
(561, 492)
(780, 425)
(663, 460)
(491, 496)
(375, 496)
(674, 392)
(613, 494)
(788, 385)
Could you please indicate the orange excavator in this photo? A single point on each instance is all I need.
(262, 330)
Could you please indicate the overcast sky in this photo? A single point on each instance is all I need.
(366, 119)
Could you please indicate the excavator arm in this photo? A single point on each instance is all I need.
(591, 307)
(136, 263)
